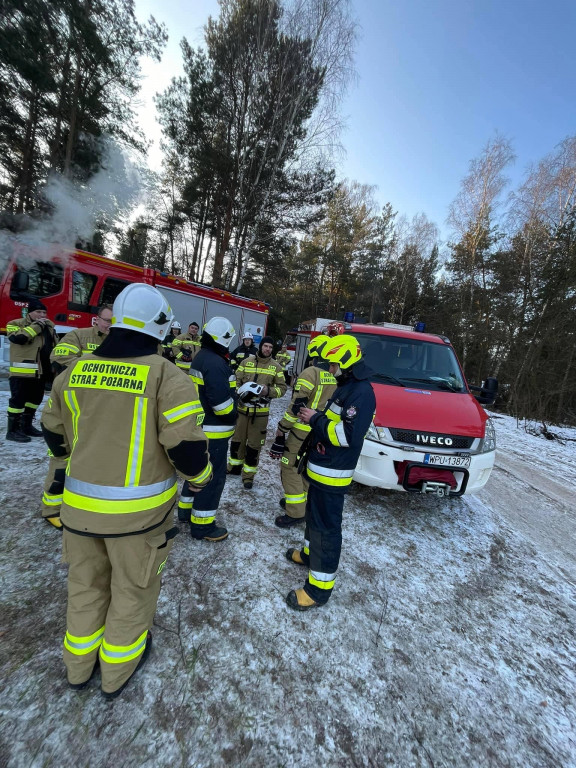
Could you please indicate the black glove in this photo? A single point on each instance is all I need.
(186, 356)
(278, 447)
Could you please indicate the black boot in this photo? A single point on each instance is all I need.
(28, 428)
(210, 532)
(14, 431)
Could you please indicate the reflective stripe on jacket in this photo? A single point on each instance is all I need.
(217, 390)
(262, 370)
(313, 389)
(118, 419)
(339, 433)
(81, 341)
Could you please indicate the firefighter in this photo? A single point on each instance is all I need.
(81, 341)
(284, 357)
(337, 439)
(217, 388)
(175, 331)
(125, 419)
(253, 412)
(245, 349)
(32, 339)
(314, 386)
(186, 346)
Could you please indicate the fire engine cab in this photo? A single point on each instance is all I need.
(73, 285)
(430, 433)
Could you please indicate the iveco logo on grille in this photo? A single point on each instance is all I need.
(433, 439)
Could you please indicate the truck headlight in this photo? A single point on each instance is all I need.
(488, 443)
(375, 433)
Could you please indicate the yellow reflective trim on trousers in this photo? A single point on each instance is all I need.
(216, 435)
(235, 462)
(15, 410)
(33, 406)
(202, 476)
(72, 402)
(137, 438)
(51, 500)
(295, 498)
(118, 654)
(302, 427)
(80, 646)
(116, 507)
(290, 417)
(321, 584)
(334, 481)
(23, 371)
(185, 504)
(202, 520)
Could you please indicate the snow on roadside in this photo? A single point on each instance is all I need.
(449, 641)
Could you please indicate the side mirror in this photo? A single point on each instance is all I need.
(487, 392)
(20, 281)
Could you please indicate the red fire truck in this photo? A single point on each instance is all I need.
(73, 286)
(430, 432)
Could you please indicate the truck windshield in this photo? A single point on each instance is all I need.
(408, 362)
(41, 279)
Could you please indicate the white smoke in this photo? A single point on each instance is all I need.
(78, 209)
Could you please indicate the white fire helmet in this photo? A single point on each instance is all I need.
(247, 335)
(249, 391)
(140, 307)
(221, 330)
(176, 326)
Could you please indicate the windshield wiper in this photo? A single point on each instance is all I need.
(440, 383)
(387, 377)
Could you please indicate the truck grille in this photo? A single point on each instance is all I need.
(407, 436)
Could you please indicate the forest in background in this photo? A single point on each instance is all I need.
(249, 199)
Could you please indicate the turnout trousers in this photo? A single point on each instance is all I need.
(295, 485)
(322, 541)
(25, 394)
(113, 588)
(247, 442)
(200, 507)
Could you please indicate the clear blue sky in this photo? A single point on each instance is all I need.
(436, 79)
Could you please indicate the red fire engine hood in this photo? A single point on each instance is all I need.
(424, 410)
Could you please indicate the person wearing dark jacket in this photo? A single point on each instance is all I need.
(245, 349)
(337, 437)
(32, 339)
(216, 384)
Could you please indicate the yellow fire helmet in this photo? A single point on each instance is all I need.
(343, 350)
(317, 345)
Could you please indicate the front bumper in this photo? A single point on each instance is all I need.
(376, 466)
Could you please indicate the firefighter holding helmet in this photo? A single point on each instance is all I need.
(312, 389)
(217, 388)
(125, 419)
(260, 379)
(337, 439)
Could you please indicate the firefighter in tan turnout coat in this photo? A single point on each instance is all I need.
(313, 388)
(126, 419)
(250, 433)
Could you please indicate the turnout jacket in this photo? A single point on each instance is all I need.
(283, 358)
(262, 370)
(216, 384)
(30, 346)
(184, 349)
(241, 353)
(125, 425)
(79, 342)
(338, 433)
(313, 388)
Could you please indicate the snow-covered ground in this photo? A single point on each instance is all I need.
(448, 642)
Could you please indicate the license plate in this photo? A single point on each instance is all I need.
(442, 460)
